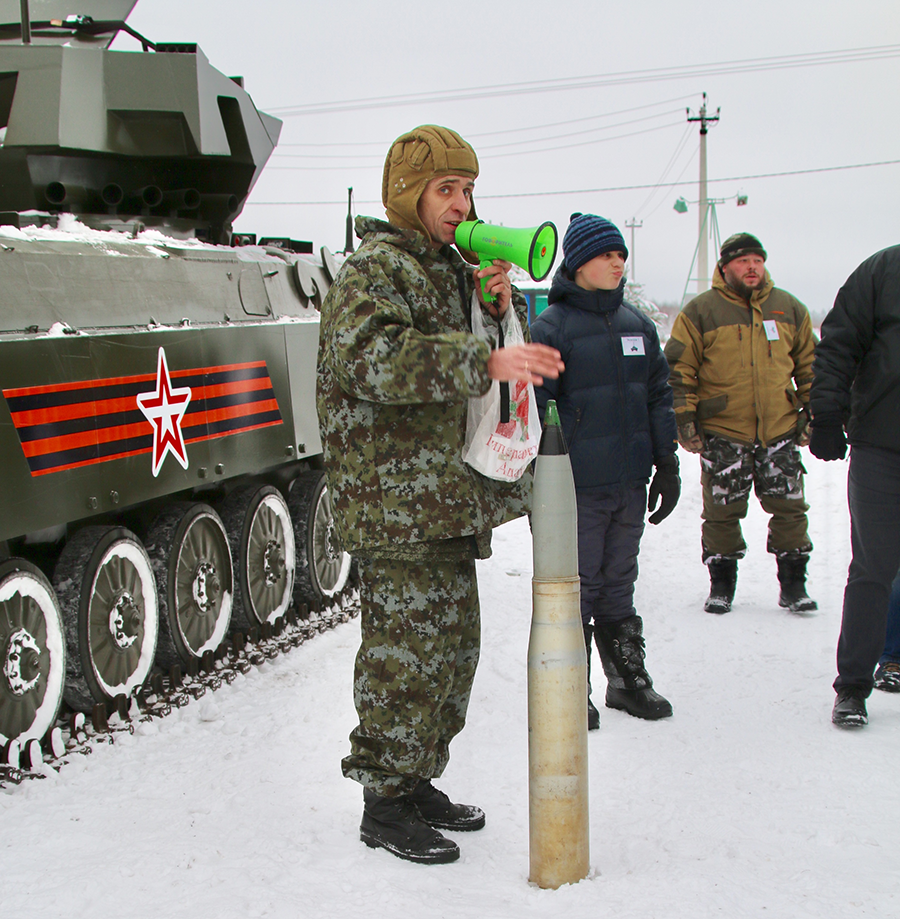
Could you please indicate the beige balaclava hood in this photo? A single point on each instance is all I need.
(415, 158)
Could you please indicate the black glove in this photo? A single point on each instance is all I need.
(664, 489)
(827, 439)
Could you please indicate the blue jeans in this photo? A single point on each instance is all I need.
(892, 638)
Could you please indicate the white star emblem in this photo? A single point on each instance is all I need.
(164, 409)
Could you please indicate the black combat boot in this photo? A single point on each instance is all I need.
(621, 647)
(395, 824)
(593, 714)
(722, 581)
(439, 812)
(850, 707)
(792, 577)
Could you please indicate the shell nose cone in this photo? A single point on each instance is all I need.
(553, 441)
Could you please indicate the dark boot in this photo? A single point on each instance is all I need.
(621, 647)
(593, 714)
(792, 578)
(722, 581)
(394, 824)
(850, 708)
(887, 677)
(439, 812)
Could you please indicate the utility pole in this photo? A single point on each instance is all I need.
(703, 243)
(631, 226)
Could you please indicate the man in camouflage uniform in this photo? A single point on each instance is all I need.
(740, 357)
(397, 365)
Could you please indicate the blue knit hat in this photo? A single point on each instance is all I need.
(588, 236)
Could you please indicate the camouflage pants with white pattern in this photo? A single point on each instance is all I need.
(775, 472)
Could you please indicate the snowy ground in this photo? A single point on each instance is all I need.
(748, 802)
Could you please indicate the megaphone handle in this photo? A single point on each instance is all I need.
(488, 298)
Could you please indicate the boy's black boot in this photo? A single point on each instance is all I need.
(630, 689)
(593, 714)
(722, 582)
(395, 824)
(792, 578)
(438, 811)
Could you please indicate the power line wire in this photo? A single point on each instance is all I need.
(620, 78)
(587, 191)
(483, 147)
(669, 166)
(567, 146)
(383, 145)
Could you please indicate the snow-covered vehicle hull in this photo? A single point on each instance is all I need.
(159, 446)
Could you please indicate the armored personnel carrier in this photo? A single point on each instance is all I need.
(159, 447)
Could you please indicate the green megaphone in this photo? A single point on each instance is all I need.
(533, 249)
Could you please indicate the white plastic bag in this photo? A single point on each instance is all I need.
(499, 450)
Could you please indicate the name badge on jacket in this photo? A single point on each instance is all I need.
(771, 327)
(632, 345)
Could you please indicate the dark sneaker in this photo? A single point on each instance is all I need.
(395, 824)
(887, 677)
(850, 708)
(642, 703)
(593, 717)
(438, 811)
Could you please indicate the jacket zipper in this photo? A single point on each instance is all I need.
(620, 377)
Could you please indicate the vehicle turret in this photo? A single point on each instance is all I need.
(157, 134)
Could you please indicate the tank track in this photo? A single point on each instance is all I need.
(75, 734)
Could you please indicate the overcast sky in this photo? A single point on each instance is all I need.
(817, 226)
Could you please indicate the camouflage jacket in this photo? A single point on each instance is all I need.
(741, 370)
(397, 365)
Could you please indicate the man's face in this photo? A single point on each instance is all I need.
(602, 272)
(444, 205)
(746, 272)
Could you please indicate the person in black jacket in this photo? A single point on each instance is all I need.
(856, 387)
(615, 406)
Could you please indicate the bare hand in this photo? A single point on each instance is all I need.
(531, 362)
(498, 284)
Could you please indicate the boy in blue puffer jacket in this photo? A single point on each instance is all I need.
(615, 405)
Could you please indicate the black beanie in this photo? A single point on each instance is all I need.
(588, 236)
(737, 245)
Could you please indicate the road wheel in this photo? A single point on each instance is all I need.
(188, 549)
(32, 653)
(322, 566)
(107, 595)
(259, 530)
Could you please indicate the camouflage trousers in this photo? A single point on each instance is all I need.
(421, 634)
(728, 470)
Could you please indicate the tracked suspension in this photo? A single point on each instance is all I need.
(77, 733)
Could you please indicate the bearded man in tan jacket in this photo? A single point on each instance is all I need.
(740, 357)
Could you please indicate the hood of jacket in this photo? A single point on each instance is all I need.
(594, 301)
